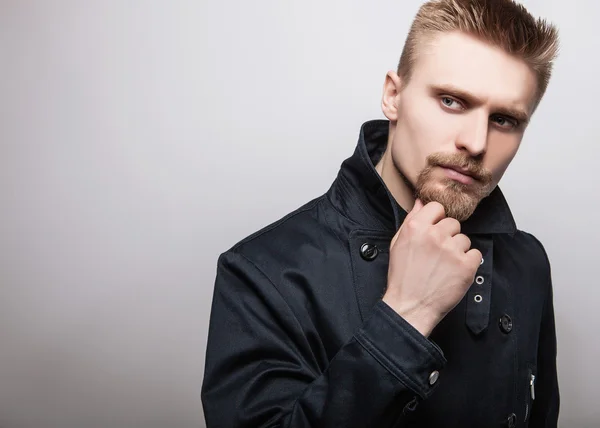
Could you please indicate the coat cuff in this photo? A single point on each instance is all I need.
(402, 349)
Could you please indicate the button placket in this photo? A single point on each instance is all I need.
(479, 295)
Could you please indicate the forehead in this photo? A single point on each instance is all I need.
(488, 72)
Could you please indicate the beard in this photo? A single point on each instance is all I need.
(458, 199)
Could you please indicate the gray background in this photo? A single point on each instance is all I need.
(140, 139)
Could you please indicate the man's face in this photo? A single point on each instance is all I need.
(459, 113)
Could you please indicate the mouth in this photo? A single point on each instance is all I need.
(461, 175)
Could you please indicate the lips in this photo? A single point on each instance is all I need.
(463, 171)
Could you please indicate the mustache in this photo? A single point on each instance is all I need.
(461, 161)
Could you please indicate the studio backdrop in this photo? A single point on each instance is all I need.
(141, 139)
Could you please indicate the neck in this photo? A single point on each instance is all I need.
(398, 185)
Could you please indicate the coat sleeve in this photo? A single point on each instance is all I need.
(261, 370)
(544, 413)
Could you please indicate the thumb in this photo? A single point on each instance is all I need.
(417, 206)
(415, 209)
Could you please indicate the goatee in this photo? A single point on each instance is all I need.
(458, 199)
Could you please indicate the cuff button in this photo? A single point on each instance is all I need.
(433, 377)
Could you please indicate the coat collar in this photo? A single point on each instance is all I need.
(360, 193)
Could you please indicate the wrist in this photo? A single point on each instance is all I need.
(416, 315)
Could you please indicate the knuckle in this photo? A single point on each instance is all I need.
(435, 235)
(474, 260)
(445, 222)
(468, 259)
(454, 222)
(412, 225)
(466, 239)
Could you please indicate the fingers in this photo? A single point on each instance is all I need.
(474, 256)
(431, 213)
(448, 226)
(461, 242)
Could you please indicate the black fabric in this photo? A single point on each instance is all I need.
(299, 335)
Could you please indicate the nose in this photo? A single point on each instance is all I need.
(474, 134)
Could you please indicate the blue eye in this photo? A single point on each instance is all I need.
(451, 103)
(447, 101)
(505, 122)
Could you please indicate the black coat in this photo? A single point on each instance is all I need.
(299, 336)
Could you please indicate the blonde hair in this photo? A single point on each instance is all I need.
(501, 23)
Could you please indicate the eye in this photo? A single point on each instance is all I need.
(451, 103)
(505, 122)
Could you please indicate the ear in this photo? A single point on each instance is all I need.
(390, 98)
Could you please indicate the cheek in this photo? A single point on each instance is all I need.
(501, 152)
(421, 130)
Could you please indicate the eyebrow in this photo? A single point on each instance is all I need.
(470, 98)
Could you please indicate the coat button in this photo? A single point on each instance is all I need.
(433, 377)
(512, 420)
(506, 324)
(369, 252)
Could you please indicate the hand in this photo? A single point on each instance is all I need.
(431, 266)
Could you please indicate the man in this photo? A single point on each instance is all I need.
(405, 296)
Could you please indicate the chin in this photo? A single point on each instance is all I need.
(458, 202)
